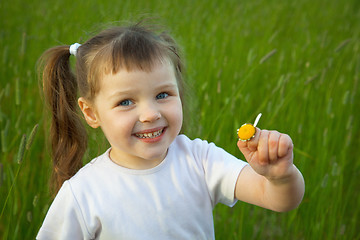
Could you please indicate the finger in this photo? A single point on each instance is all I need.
(254, 142)
(242, 144)
(263, 149)
(285, 145)
(249, 148)
(250, 144)
(244, 150)
(273, 145)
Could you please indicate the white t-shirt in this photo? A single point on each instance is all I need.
(173, 200)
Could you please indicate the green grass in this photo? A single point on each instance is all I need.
(297, 62)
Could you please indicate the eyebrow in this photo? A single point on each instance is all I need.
(167, 85)
(119, 93)
(129, 91)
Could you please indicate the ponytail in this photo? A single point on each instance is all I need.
(67, 134)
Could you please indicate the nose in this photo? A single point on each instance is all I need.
(149, 113)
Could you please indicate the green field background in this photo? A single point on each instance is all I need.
(297, 62)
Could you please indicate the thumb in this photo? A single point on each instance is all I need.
(249, 147)
(244, 149)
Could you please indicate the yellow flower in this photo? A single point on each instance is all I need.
(246, 132)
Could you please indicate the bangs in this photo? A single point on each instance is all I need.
(133, 49)
(130, 51)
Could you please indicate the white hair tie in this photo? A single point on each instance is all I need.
(73, 48)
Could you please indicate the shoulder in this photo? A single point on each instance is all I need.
(198, 147)
(185, 143)
(64, 219)
(207, 153)
(93, 165)
(90, 174)
(220, 168)
(201, 151)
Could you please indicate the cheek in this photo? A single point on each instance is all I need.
(176, 114)
(117, 125)
(180, 112)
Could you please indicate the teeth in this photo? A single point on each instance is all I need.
(150, 135)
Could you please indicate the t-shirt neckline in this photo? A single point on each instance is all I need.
(149, 171)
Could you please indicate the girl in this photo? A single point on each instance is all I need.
(152, 183)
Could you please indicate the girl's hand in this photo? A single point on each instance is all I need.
(269, 153)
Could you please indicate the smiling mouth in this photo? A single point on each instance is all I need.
(150, 135)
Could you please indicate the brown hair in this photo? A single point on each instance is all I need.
(132, 47)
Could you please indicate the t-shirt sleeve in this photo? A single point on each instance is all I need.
(64, 219)
(221, 173)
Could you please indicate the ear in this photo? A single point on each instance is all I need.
(89, 113)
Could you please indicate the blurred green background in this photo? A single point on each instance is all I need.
(297, 62)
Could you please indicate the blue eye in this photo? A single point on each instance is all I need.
(125, 103)
(162, 95)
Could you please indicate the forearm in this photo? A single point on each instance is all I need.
(286, 193)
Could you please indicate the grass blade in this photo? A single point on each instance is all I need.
(342, 45)
(19, 158)
(31, 137)
(21, 151)
(1, 174)
(267, 56)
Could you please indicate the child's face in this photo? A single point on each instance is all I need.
(140, 114)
